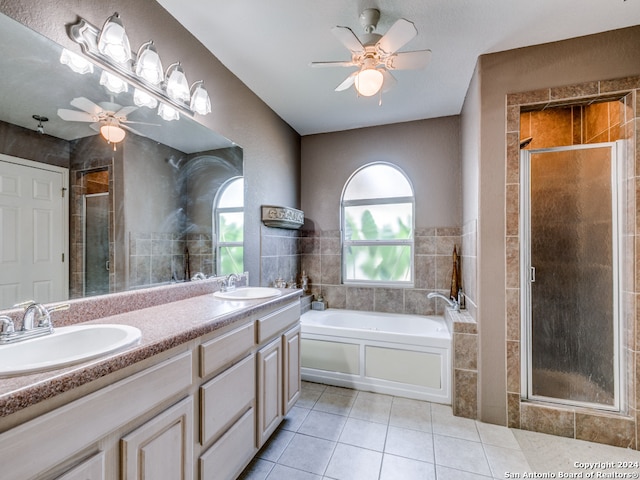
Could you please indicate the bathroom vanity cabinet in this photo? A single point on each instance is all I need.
(198, 411)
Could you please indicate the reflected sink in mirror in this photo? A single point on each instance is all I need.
(248, 293)
(66, 346)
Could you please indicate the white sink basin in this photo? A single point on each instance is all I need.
(66, 346)
(248, 293)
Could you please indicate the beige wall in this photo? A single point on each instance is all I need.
(597, 57)
(271, 147)
(427, 151)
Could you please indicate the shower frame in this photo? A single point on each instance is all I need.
(527, 277)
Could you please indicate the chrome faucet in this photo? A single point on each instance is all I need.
(35, 322)
(453, 303)
(35, 315)
(229, 282)
(199, 276)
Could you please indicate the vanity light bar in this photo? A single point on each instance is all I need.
(87, 36)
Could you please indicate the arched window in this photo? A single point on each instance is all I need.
(229, 227)
(377, 216)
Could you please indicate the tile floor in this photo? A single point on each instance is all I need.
(342, 434)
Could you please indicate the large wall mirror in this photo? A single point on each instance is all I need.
(82, 216)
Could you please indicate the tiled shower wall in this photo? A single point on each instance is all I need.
(279, 256)
(583, 125)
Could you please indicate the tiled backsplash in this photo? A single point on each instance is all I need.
(320, 259)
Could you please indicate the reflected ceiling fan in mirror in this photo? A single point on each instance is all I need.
(109, 119)
(375, 55)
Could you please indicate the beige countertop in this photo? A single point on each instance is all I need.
(163, 327)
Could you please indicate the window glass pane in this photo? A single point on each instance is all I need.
(230, 260)
(233, 194)
(384, 263)
(378, 222)
(231, 226)
(378, 181)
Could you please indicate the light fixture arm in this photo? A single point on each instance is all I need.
(86, 35)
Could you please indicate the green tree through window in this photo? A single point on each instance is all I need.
(229, 227)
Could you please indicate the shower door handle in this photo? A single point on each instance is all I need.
(532, 274)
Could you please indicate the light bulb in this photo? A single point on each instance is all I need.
(143, 99)
(113, 41)
(168, 113)
(112, 83)
(200, 102)
(75, 62)
(148, 64)
(369, 82)
(177, 86)
(112, 132)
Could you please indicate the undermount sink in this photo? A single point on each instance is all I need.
(248, 293)
(64, 347)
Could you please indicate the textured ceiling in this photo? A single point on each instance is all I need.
(270, 44)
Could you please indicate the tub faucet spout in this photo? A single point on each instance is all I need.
(453, 303)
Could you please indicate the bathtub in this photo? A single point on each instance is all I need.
(395, 354)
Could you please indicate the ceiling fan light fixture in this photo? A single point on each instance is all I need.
(369, 81)
(177, 85)
(200, 102)
(143, 99)
(75, 62)
(148, 64)
(111, 131)
(112, 83)
(113, 40)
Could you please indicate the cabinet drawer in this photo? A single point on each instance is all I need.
(278, 321)
(225, 398)
(223, 351)
(228, 456)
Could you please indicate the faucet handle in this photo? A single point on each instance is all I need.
(6, 324)
(26, 304)
(58, 308)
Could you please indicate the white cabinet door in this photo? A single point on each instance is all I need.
(162, 448)
(291, 368)
(269, 389)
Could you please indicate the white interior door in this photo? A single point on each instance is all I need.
(33, 232)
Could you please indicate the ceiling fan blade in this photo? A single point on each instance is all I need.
(347, 82)
(95, 126)
(126, 127)
(87, 105)
(398, 35)
(129, 122)
(124, 111)
(332, 64)
(75, 115)
(409, 60)
(389, 81)
(348, 39)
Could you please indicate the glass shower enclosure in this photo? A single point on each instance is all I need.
(569, 271)
(96, 232)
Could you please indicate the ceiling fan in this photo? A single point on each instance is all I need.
(376, 54)
(109, 119)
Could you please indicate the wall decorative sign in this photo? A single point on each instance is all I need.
(282, 217)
